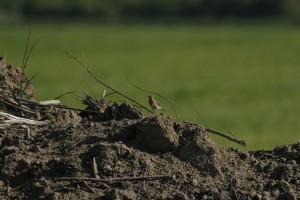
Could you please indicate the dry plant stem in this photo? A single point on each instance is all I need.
(70, 108)
(49, 102)
(110, 180)
(240, 142)
(157, 95)
(95, 170)
(16, 106)
(6, 99)
(19, 120)
(104, 84)
(16, 99)
(58, 97)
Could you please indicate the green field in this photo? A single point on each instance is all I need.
(244, 78)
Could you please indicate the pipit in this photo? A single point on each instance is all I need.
(154, 104)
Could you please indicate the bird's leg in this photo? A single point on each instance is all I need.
(154, 111)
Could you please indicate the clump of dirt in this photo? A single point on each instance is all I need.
(137, 157)
(157, 134)
(14, 79)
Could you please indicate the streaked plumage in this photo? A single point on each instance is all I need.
(154, 104)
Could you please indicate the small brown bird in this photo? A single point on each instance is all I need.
(154, 104)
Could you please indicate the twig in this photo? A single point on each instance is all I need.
(12, 119)
(157, 95)
(5, 97)
(104, 84)
(49, 102)
(240, 142)
(111, 93)
(15, 98)
(71, 108)
(16, 106)
(109, 180)
(228, 131)
(58, 97)
(95, 170)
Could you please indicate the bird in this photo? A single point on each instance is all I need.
(154, 104)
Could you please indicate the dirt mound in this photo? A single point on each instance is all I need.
(115, 152)
(14, 80)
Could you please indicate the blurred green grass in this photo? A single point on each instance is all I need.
(244, 78)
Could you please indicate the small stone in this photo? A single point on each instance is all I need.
(195, 182)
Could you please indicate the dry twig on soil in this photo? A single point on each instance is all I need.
(240, 142)
(110, 180)
(12, 119)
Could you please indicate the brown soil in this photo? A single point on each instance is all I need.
(125, 143)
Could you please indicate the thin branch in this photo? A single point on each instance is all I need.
(15, 98)
(109, 180)
(49, 102)
(157, 95)
(70, 108)
(34, 103)
(111, 93)
(240, 142)
(12, 119)
(104, 84)
(16, 106)
(228, 131)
